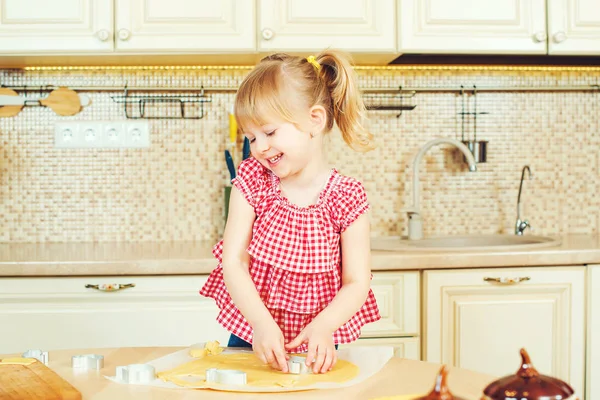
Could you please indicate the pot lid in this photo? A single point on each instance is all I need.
(440, 389)
(528, 384)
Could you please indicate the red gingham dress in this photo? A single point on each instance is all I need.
(295, 255)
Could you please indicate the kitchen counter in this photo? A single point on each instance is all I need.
(399, 376)
(173, 258)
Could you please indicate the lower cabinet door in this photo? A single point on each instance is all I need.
(479, 319)
(61, 313)
(397, 295)
(593, 333)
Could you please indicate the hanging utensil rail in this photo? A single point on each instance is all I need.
(398, 92)
(396, 89)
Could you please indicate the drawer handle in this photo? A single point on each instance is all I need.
(110, 287)
(507, 281)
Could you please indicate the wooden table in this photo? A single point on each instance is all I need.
(399, 376)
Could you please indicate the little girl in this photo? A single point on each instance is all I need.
(294, 264)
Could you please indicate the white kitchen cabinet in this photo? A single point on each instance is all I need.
(367, 26)
(473, 323)
(127, 26)
(404, 347)
(467, 26)
(499, 27)
(58, 26)
(60, 313)
(574, 27)
(398, 298)
(160, 26)
(593, 333)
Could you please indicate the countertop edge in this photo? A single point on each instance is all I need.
(380, 262)
(196, 258)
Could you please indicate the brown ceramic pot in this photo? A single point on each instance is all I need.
(440, 389)
(528, 384)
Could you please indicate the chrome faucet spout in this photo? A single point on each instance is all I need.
(520, 225)
(415, 227)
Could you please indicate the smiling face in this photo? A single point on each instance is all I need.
(282, 147)
(276, 111)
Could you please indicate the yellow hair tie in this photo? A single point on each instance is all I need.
(314, 62)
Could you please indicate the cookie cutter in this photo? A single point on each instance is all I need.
(225, 376)
(41, 356)
(87, 361)
(135, 373)
(297, 365)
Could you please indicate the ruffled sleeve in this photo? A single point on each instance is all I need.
(350, 202)
(250, 180)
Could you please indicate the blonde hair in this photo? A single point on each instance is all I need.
(283, 86)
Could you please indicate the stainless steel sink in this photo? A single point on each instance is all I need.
(464, 243)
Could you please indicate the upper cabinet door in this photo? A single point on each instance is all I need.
(472, 26)
(574, 27)
(159, 26)
(313, 25)
(57, 26)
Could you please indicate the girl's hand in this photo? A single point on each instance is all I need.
(267, 343)
(321, 349)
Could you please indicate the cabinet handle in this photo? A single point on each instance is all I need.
(507, 281)
(559, 37)
(267, 34)
(103, 35)
(539, 36)
(124, 34)
(110, 287)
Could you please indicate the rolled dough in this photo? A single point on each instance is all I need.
(192, 374)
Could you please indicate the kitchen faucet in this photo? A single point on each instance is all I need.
(520, 226)
(415, 224)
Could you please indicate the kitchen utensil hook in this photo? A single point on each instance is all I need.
(402, 97)
(462, 114)
(475, 113)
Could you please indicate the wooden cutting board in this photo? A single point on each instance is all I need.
(34, 381)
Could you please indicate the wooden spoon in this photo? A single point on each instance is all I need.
(63, 101)
(9, 111)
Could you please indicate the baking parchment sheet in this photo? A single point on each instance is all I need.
(369, 359)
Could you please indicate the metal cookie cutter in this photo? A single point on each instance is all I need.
(136, 373)
(225, 376)
(297, 365)
(41, 356)
(87, 361)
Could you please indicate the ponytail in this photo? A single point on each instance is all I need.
(348, 109)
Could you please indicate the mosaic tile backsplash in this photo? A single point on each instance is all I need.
(174, 189)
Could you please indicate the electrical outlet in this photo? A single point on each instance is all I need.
(102, 134)
(113, 134)
(137, 134)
